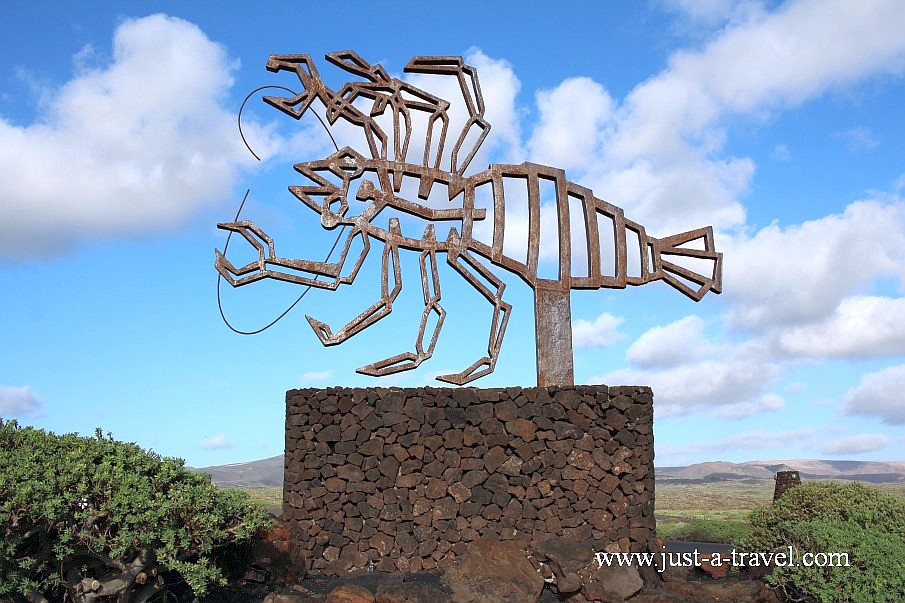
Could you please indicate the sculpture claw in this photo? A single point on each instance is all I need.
(322, 330)
(394, 364)
(239, 276)
(224, 266)
(469, 374)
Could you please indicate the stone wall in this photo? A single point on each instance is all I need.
(403, 479)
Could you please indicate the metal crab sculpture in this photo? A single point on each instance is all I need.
(378, 175)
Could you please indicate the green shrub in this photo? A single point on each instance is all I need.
(94, 519)
(828, 517)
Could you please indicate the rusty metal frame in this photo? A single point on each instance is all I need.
(380, 183)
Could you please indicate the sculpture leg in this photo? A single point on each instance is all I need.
(372, 314)
(472, 269)
(409, 360)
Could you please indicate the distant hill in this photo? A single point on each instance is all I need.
(714, 470)
(810, 469)
(268, 473)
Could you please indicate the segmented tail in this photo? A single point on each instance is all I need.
(667, 255)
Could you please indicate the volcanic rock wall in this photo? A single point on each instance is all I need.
(403, 479)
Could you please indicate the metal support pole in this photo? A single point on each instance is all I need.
(553, 327)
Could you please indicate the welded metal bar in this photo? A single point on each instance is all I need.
(375, 179)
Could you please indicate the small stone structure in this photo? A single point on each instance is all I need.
(404, 479)
(784, 481)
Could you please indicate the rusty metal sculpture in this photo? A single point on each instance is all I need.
(380, 178)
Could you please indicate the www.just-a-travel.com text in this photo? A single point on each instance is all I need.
(786, 557)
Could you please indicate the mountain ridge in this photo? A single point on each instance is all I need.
(268, 473)
(809, 469)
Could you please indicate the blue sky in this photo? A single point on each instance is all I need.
(779, 123)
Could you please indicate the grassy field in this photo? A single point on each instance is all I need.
(898, 489)
(729, 500)
(716, 511)
(270, 497)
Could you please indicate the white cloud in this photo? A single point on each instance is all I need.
(671, 345)
(137, 145)
(790, 55)
(796, 387)
(713, 12)
(859, 139)
(217, 442)
(19, 402)
(798, 274)
(736, 379)
(681, 194)
(860, 327)
(743, 410)
(880, 394)
(570, 120)
(752, 440)
(602, 331)
(656, 151)
(781, 152)
(691, 373)
(855, 444)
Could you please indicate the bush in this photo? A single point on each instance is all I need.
(830, 517)
(90, 518)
